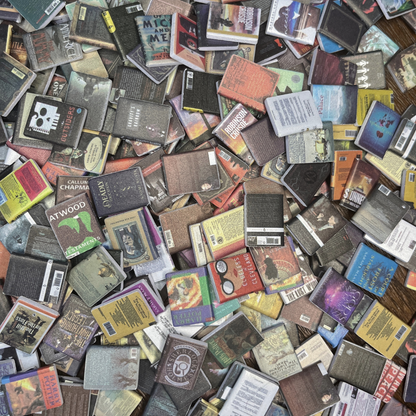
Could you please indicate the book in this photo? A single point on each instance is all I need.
(369, 12)
(234, 277)
(314, 350)
(390, 380)
(385, 342)
(366, 98)
(40, 390)
(314, 385)
(174, 6)
(50, 47)
(27, 324)
(395, 408)
(400, 67)
(232, 339)
(294, 21)
(249, 92)
(184, 43)
(268, 47)
(234, 23)
(75, 399)
(299, 103)
(391, 11)
(181, 362)
(216, 62)
(75, 225)
(402, 143)
(9, 13)
(189, 297)
(123, 315)
(120, 21)
(74, 330)
(339, 244)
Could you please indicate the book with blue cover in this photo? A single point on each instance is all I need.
(371, 270)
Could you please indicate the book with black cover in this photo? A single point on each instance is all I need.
(199, 92)
(268, 47)
(118, 192)
(142, 120)
(55, 122)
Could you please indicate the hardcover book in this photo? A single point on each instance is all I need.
(251, 91)
(293, 21)
(26, 325)
(179, 350)
(189, 297)
(234, 23)
(75, 225)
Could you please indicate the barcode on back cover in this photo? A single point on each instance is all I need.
(412, 244)
(350, 133)
(400, 333)
(299, 292)
(384, 190)
(343, 158)
(224, 155)
(56, 283)
(268, 241)
(400, 143)
(169, 239)
(302, 355)
(52, 7)
(411, 177)
(213, 239)
(391, 98)
(109, 328)
(305, 318)
(134, 9)
(200, 248)
(189, 80)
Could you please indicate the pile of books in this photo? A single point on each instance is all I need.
(198, 202)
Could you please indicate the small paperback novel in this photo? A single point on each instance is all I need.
(301, 105)
(184, 43)
(179, 350)
(189, 297)
(268, 47)
(403, 140)
(234, 23)
(371, 270)
(75, 225)
(69, 186)
(55, 122)
(73, 332)
(142, 120)
(154, 32)
(382, 330)
(400, 67)
(26, 325)
(289, 81)
(276, 355)
(112, 367)
(232, 339)
(189, 172)
(313, 350)
(380, 213)
(234, 166)
(17, 79)
(50, 47)
(336, 246)
(32, 391)
(245, 396)
(234, 277)
(391, 378)
(314, 386)
(294, 21)
(314, 226)
(409, 391)
(336, 296)
(250, 91)
(111, 195)
(312, 146)
(263, 220)
(29, 187)
(123, 315)
(130, 233)
(362, 178)
(216, 62)
(377, 130)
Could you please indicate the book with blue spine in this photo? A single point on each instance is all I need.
(371, 270)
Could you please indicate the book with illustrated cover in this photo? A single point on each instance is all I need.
(189, 297)
(232, 339)
(293, 21)
(289, 81)
(74, 330)
(359, 312)
(234, 23)
(374, 39)
(252, 91)
(391, 11)
(26, 324)
(180, 350)
(400, 67)
(75, 225)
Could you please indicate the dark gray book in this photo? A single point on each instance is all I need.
(268, 47)
(409, 391)
(14, 235)
(409, 345)
(160, 403)
(335, 247)
(402, 142)
(142, 121)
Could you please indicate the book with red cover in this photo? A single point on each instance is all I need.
(390, 380)
(248, 83)
(234, 277)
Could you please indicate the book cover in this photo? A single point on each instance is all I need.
(75, 225)
(26, 325)
(369, 11)
(174, 6)
(216, 62)
(181, 362)
(382, 330)
(293, 21)
(391, 11)
(249, 91)
(365, 99)
(189, 297)
(235, 23)
(391, 378)
(268, 47)
(339, 244)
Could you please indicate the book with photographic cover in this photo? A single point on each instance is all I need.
(380, 213)
(268, 47)
(403, 72)
(336, 246)
(314, 226)
(142, 120)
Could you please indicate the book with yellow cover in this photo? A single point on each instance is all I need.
(269, 305)
(366, 97)
(344, 131)
(123, 315)
(408, 189)
(21, 189)
(382, 330)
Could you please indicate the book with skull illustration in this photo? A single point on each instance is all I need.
(112, 367)
(55, 122)
(75, 225)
